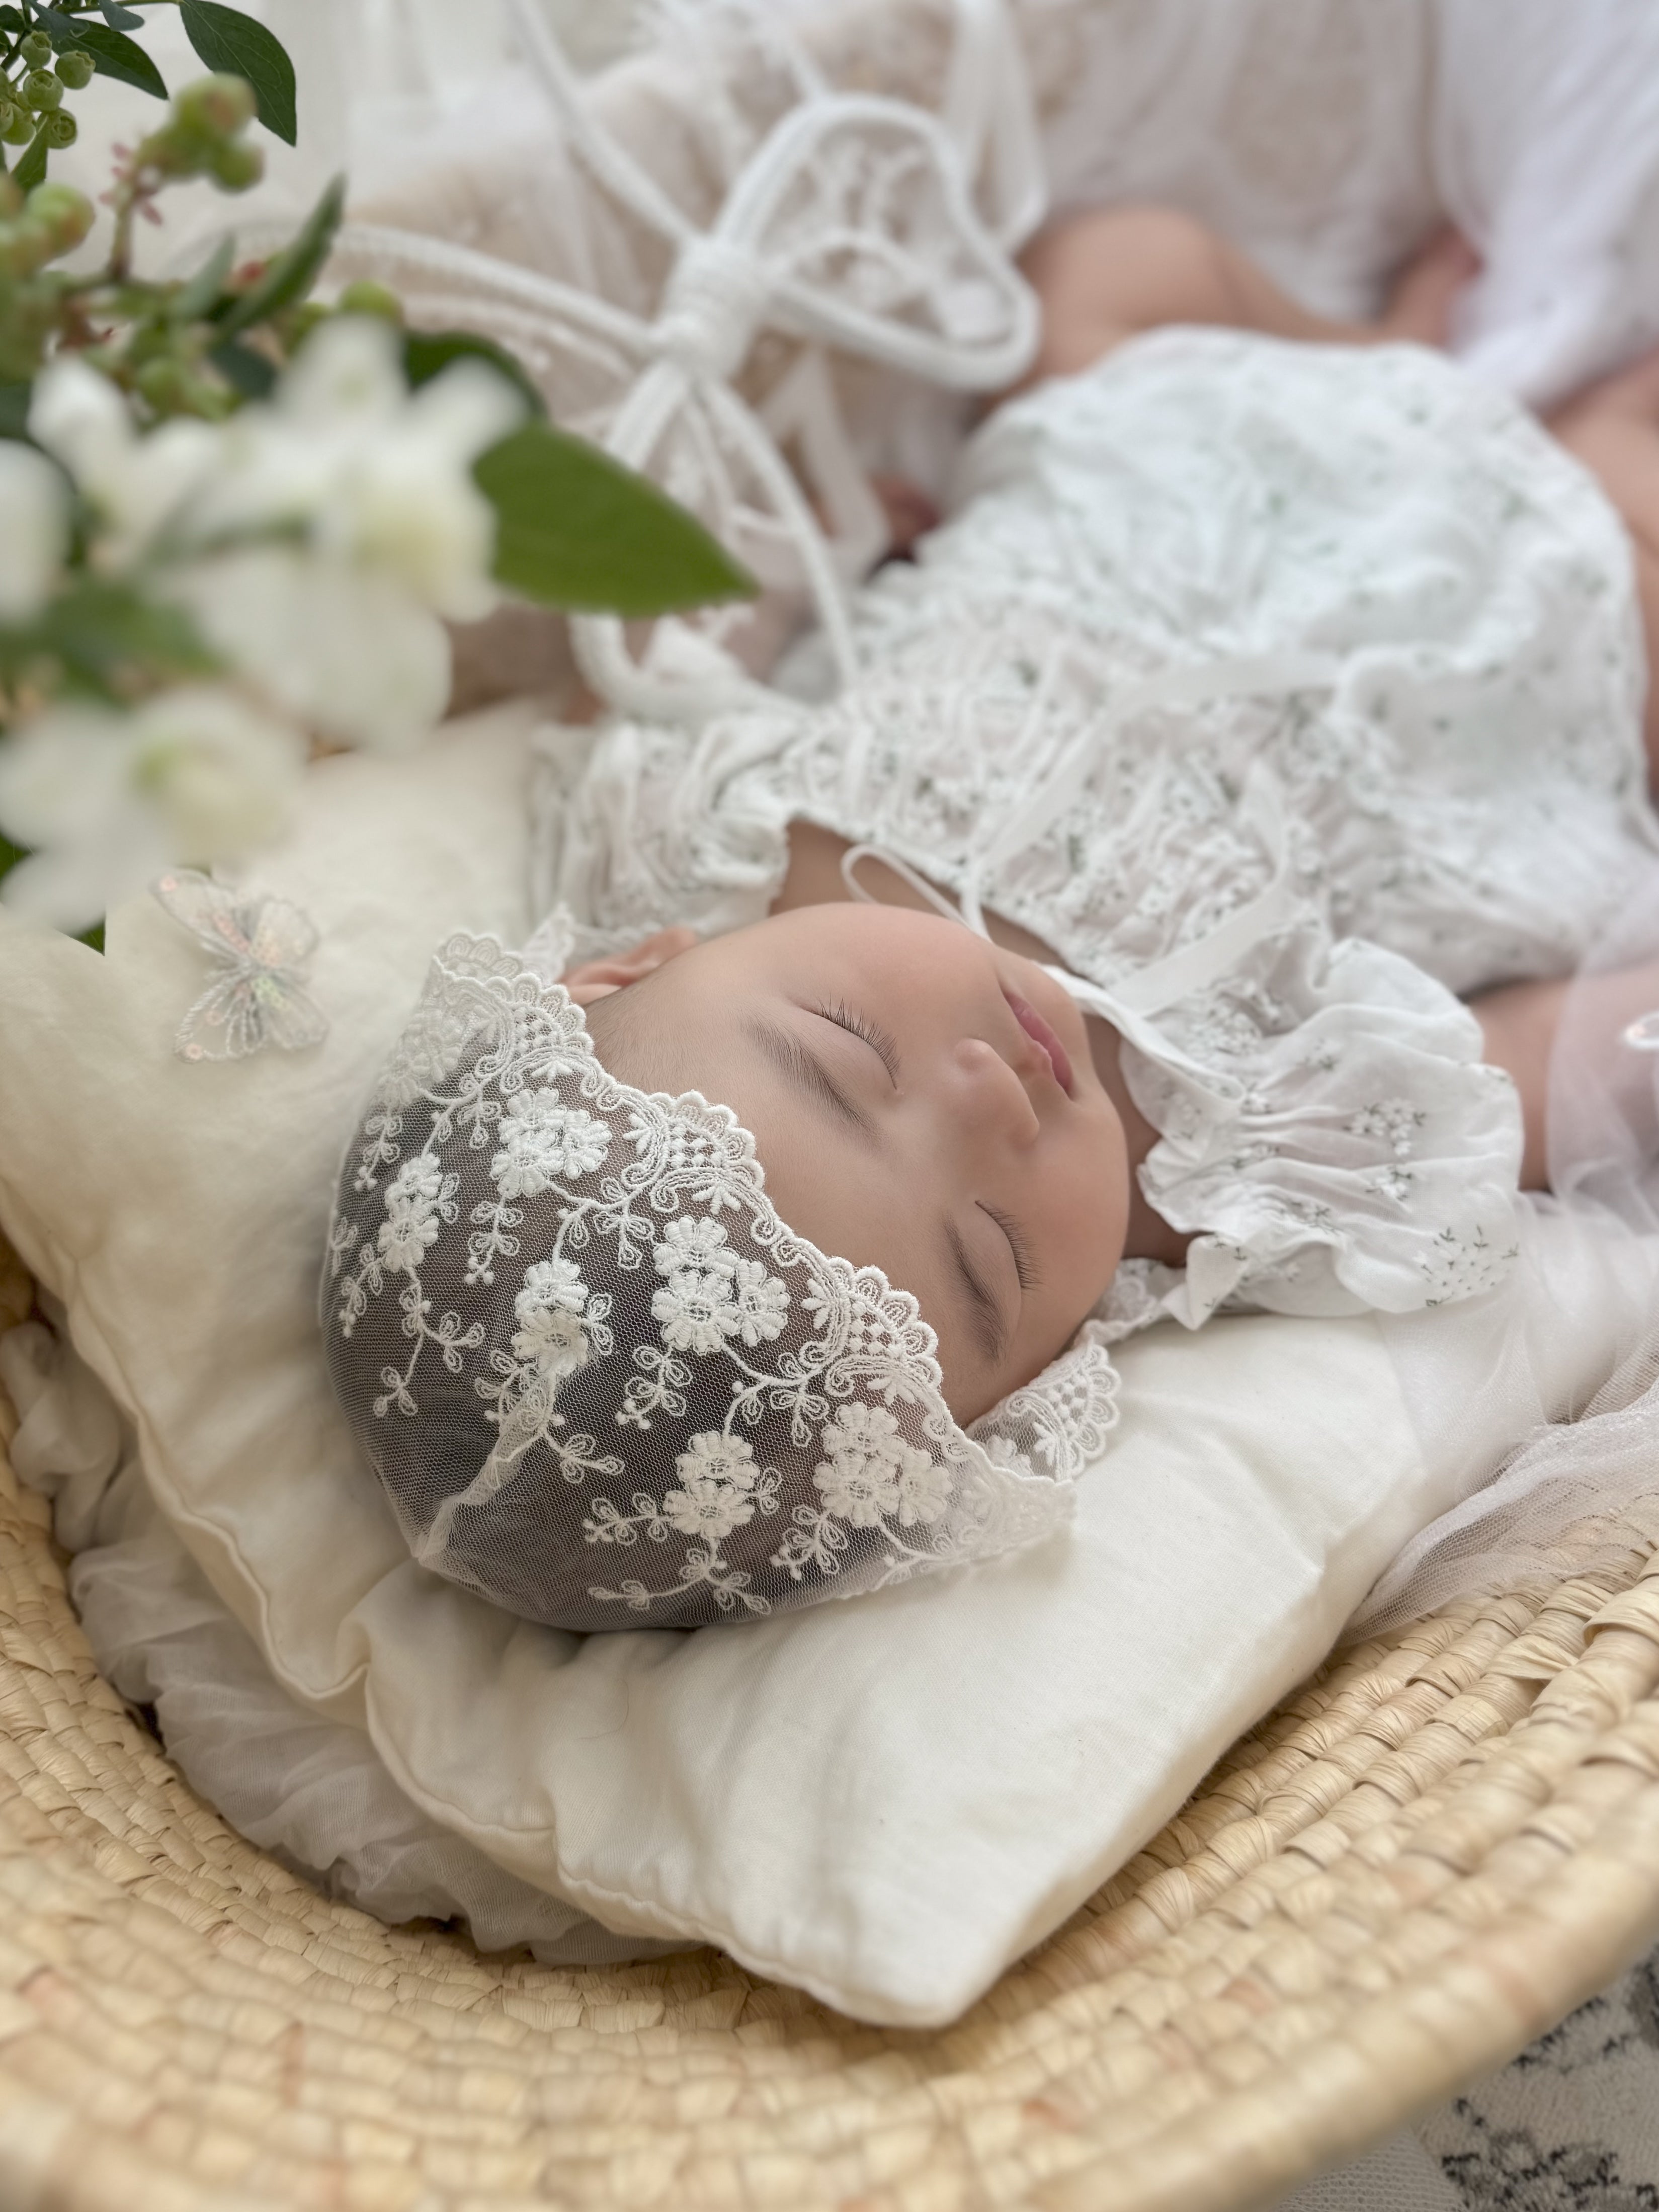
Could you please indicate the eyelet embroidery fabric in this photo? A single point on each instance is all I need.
(603, 1382)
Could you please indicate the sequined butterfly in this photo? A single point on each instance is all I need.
(262, 945)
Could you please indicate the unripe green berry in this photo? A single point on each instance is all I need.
(42, 91)
(216, 107)
(19, 129)
(363, 297)
(65, 214)
(35, 49)
(298, 322)
(165, 384)
(75, 68)
(25, 245)
(235, 167)
(62, 128)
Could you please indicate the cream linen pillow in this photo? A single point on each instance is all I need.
(884, 1802)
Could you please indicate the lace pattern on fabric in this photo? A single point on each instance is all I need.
(601, 1379)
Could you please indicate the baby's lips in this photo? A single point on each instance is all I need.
(1039, 1033)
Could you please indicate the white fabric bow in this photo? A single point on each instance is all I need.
(851, 225)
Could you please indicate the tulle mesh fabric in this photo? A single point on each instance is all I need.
(604, 1385)
(1583, 1490)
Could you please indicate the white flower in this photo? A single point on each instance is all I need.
(551, 1339)
(344, 650)
(550, 1283)
(717, 1475)
(113, 799)
(924, 1489)
(551, 1335)
(407, 503)
(696, 1311)
(139, 485)
(382, 477)
(871, 1472)
(688, 1243)
(33, 530)
(543, 1138)
(761, 1302)
(413, 1205)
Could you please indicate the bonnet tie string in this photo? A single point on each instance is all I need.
(1129, 1005)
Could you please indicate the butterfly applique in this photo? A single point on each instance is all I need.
(262, 946)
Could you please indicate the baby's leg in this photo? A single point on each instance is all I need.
(1614, 429)
(1104, 276)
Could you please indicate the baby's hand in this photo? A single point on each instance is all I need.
(1427, 288)
(910, 514)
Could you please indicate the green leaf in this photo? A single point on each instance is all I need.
(290, 275)
(113, 53)
(10, 854)
(119, 19)
(100, 631)
(32, 169)
(243, 370)
(427, 353)
(574, 529)
(15, 410)
(230, 40)
(200, 295)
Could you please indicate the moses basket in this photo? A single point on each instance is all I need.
(1441, 1845)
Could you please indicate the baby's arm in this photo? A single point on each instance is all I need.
(1106, 275)
(1520, 1024)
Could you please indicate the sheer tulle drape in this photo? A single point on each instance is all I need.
(1582, 1492)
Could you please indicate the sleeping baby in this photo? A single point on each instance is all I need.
(1173, 918)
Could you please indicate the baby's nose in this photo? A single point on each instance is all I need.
(996, 1096)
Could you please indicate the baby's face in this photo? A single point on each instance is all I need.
(922, 1101)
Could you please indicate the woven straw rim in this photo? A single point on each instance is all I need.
(1443, 1843)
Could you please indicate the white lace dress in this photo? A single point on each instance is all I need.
(1287, 692)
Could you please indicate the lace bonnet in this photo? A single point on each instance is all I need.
(603, 1382)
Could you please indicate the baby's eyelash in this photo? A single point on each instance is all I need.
(859, 1026)
(1024, 1267)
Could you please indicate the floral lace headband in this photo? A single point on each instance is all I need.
(603, 1382)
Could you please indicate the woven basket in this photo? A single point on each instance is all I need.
(1440, 1846)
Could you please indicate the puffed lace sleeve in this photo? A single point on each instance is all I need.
(1329, 1132)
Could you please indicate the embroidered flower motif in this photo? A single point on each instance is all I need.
(413, 1201)
(711, 1295)
(869, 1465)
(696, 1311)
(1391, 1121)
(1392, 1183)
(760, 1302)
(717, 1476)
(550, 1336)
(543, 1139)
(690, 1242)
(924, 1488)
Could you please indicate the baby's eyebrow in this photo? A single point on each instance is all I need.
(806, 1072)
(990, 1321)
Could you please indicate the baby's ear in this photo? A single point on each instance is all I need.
(596, 979)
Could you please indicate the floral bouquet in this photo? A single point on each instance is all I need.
(234, 521)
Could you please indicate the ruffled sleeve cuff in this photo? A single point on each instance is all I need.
(1331, 1136)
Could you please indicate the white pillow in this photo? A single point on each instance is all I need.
(884, 1802)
